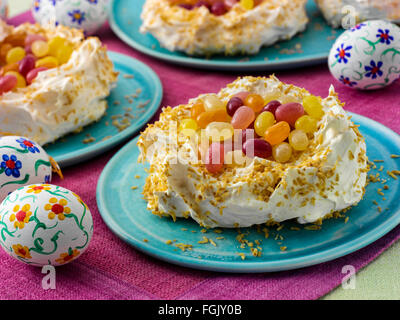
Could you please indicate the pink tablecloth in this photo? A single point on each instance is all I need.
(111, 269)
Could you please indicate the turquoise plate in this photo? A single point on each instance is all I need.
(105, 133)
(124, 211)
(310, 47)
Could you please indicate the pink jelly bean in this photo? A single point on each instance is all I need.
(289, 112)
(243, 117)
(33, 74)
(215, 158)
(242, 95)
(257, 148)
(229, 4)
(31, 38)
(7, 83)
(27, 64)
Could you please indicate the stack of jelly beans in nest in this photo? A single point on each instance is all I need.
(23, 56)
(277, 130)
(216, 7)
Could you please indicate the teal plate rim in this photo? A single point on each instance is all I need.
(90, 151)
(198, 62)
(342, 249)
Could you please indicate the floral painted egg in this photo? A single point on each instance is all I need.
(3, 9)
(89, 15)
(367, 56)
(43, 224)
(22, 162)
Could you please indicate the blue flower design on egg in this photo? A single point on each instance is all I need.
(385, 36)
(343, 53)
(93, 1)
(47, 179)
(36, 5)
(77, 16)
(374, 70)
(29, 145)
(347, 81)
(11, 165)
(358, 27)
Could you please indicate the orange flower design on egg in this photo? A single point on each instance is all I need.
(57, 208)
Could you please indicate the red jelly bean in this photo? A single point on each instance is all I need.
(218, 8)
(7, 83)
(27, 64)
(272, 106)
(257, 148)
(215, 158)
(233, 104)
(33, 74)
(289, 112)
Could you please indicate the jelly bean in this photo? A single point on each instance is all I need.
(254, 101)
(40, 48)
(33, 74)
(188, 124)
(215, 158)
(282, 152)
(289, 112)
(242, 95)
(243, 117)
(218, 8)
(236, 157)
(229, 4)
(197, 109)
(185, 6)
(26, 64)
(21, 82)
(55, 44)
(16, 39)
(5, 47)
(7, 83)
(31, 38)
(9, 67)
(47, 62)
(207, 117)
(15, 55)
(219, 131)
(277, 133)
(264, 120)
(298, 140)
(247, 4)
(64, 54)
(233, 104)
(248, 134)
(257, 148)
(307, 124)
(202, 3)
(212, 102)
(313, 107)
(272, 106)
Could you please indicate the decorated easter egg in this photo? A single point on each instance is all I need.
(44, 224)
(367, 56)
(22, 162)
(89, 15)
(3, 9)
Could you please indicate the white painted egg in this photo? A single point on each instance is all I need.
(45, 224)
(89, 15)
(3, 9)
(22, 162)
(367, 56)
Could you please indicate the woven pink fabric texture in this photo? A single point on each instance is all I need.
(111, 269)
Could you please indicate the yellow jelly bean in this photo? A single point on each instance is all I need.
(313, 107)
(40, 48)
(188, 124)
(265, 120)
(247, 4)
(219, 131)
(282, 152)
(298, 140)
(212, 102)
(55, 44)
(307, 124)
(21, 82)
(47, 62)
(15, 55)
(64, 53)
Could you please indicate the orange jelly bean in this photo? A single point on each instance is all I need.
(278, 133)
(207, 117)
(254, 101)
(16, 39)
(5, 47)
(197, 109)
(9, 67)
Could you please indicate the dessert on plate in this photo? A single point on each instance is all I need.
(53, 81)
(259, 151)
(206, 27)
(335, 11)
